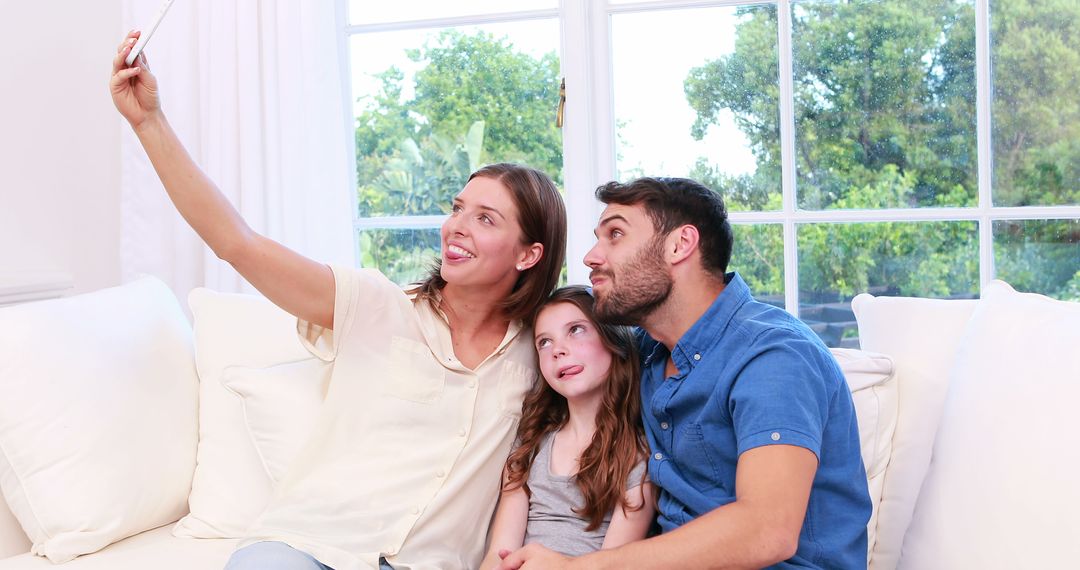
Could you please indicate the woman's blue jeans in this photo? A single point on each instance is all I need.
(278, 556)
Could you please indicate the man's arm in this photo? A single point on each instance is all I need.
(762, 526)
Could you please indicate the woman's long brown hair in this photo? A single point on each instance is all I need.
(618, 443)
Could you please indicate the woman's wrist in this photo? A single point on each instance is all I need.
(154, 121)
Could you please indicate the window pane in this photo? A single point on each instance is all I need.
(914, 259)
(758, 256)
(380, 11)
(433, 105)
(884, 103)
(1035, 57)
(1039, 256)
(695, 94)
(403, 255)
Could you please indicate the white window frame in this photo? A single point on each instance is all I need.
(589, 133)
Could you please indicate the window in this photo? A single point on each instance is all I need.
(433, 100)
(899, 147)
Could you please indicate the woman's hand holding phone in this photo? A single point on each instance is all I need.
(134, 89)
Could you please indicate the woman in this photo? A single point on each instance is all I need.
(427, 385)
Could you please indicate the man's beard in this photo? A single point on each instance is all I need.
(642, 285)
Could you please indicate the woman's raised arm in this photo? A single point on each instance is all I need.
(299, 285)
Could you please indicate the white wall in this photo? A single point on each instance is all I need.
(59, 140)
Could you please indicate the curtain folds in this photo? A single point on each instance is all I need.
(254, 90)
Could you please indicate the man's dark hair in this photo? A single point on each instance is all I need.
(673, 202)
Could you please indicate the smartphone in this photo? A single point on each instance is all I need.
(145, 36)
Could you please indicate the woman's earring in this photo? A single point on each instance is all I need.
(519, 268)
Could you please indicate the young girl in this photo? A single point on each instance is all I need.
(575, 482)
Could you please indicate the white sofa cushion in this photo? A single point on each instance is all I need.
(1001, 491)
(874, 391)
(235, 335)
(155, 549)
(281, 404)
(97, 416)
(921, 337)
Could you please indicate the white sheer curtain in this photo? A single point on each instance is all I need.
(254, 90)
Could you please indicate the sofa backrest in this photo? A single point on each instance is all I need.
(921, 337)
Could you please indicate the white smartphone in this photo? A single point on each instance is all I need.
(145, 36)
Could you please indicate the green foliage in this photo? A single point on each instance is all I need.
(421, 178)
(1071, 292)
(479, 77)
(477, 100)
(874, 84)
(747, 84)
(885, 118)
(1036, 141)
(1040, 256)
(758, 256)
(404, 256)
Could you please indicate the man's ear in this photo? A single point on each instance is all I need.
(530, 256)
(683, 241)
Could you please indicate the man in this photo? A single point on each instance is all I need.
(755, 447)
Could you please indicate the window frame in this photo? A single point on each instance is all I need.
(589, 133)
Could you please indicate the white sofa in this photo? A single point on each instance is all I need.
(117, 419)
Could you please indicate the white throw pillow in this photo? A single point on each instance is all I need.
(921, 337)
(874, 391)
(232, 332)
(281, 405)
(1001, 491)
(98, 415)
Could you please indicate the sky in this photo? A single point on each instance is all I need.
(652, 54)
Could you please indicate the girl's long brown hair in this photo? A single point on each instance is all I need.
(618, 444)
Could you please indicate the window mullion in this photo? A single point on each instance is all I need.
(787, 155)
(588, 129)
(983, 98)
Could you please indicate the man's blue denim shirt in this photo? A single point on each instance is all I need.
(750, 375)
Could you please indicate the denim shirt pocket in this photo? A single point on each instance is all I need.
(697, 461)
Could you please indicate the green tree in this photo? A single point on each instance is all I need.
(885, 118)
(476, 100)
(745, 83)
(465, 81)
(1036, 63)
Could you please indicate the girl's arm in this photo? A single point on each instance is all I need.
(628, 526)
(508, 530)
(295, 283)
